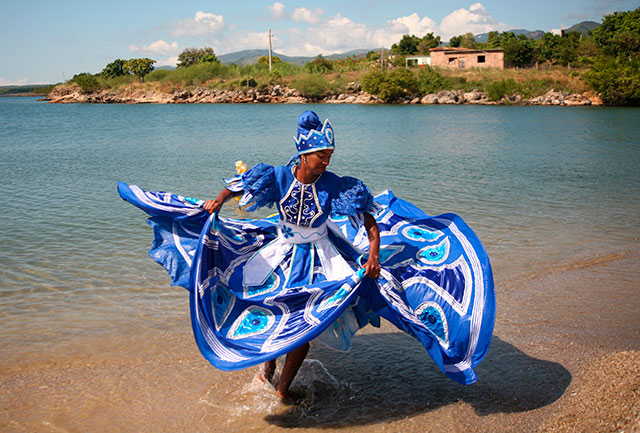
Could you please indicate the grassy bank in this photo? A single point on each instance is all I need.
(323, 78)
(526, 82)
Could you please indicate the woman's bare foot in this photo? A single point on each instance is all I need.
(286, 398)
(292, 364)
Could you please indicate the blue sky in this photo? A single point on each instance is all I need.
(46, 41)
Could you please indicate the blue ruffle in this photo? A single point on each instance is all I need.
(258, 185)
(234, 184)
(353, 198)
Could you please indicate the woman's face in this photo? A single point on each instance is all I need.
(317, 162)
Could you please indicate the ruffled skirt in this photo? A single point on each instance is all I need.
(254, 296)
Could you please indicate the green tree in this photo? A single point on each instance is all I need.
(114, 69)
(518, 53)
(616, 79)
(546, 48)
(193, 56)
(568, 49)
(619, 33)
(615, 74)
(455, 41)
(87, 82)
(465, 41)
(518, 50)
(587, 47)
(408, 45)
(139, 67)
(494, 40)
(427, 42)
(319, 65)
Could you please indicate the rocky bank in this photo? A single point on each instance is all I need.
(278, 94)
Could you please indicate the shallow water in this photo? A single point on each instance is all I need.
(551, 191)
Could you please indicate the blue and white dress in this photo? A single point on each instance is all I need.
(261, 287)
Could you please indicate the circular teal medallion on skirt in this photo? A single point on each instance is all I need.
(252, 321)
(433, 318)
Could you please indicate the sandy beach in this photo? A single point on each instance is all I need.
(562, 360)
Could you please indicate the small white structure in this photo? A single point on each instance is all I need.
(419, 61)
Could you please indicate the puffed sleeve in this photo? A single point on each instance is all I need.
(258, 186)
(352, 198)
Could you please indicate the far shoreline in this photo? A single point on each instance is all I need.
(23, 95)
(280, 94)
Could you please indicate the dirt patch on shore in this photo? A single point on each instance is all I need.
(606, 398)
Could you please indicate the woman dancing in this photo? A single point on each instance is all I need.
(261, 288)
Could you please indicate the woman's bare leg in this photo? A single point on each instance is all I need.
(269, 368)
(291, 366)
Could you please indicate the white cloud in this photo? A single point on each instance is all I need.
(253, 40)
(556, 31)
(168, 61)
(9, 82)
(413, 25)
(474, 20)
(277, 10)
(338, 34)
(158, 47)
(307, 15)
(201, 24)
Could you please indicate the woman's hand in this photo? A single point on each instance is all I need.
(372, 267)
(212, 206)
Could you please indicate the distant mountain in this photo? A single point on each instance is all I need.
(352, 53)
(531, 34)
(582, 27)
(246, 57)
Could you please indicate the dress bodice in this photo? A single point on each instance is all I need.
(301, 204)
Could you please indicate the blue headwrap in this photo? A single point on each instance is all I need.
(313, 135)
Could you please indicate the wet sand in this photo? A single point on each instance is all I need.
(565, 357)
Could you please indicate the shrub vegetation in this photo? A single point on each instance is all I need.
(314, 86)
(87, 82)
(615, 74)
(193, 56)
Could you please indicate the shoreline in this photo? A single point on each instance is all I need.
(277, 94)
(550, 369)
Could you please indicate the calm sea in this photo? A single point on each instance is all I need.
(539, 185)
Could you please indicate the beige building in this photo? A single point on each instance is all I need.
(464, 58)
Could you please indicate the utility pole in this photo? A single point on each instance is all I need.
(382, 59)
(269, 50)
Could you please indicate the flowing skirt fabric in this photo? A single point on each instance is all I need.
(253, 296)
